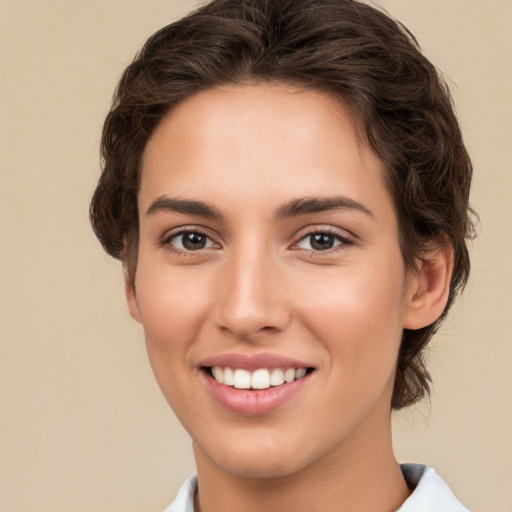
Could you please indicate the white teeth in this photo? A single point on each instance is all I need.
(242, 379)
(259, 379)
(276, 377)
(289, 375)
(218, 373)
(229, 377)
(300, 373)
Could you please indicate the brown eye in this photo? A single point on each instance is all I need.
(190, 241)
(194, 241)
(322, 241)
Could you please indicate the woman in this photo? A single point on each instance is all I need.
(287, 187)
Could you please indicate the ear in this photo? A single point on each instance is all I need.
(131, 299)
(428, 288)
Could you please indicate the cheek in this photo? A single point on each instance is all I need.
(173, 306)
(357, 314)
(172, 309)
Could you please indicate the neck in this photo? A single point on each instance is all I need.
(360, 474)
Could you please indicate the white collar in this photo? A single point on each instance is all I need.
(184, 501)
(431, 493)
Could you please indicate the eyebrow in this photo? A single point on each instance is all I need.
(293, 208)
(186, 206)
(306, 205)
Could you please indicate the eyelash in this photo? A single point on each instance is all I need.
(167, 242)
(344, 241)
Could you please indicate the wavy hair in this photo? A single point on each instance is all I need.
(344, 48)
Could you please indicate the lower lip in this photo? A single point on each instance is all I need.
(254, 402)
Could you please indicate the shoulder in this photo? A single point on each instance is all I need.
(430, 494)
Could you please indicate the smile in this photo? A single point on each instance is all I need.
(255, 384)
(262, 378)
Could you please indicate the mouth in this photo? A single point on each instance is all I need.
(257, 380)
(255, 384)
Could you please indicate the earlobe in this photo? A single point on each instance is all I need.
(428, 288)
(131, 300)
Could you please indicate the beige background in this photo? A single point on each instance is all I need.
(83, 427)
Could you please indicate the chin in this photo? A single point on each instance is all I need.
(259, 467)
(257, 460)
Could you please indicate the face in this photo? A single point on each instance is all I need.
(270, 283)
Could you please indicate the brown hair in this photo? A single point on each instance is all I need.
(342, 47)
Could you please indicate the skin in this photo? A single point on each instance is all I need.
(258, 285)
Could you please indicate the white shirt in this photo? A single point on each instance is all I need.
(431, 494)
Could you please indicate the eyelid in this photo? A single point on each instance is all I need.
(342, 235)
(345, 237)
(171, 234)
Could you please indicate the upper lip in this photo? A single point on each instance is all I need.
(254, 361)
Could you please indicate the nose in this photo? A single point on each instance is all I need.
(251, 297)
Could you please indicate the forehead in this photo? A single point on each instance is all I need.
(261, 142)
